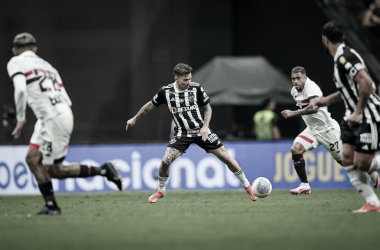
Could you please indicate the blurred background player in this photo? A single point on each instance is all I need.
(185, 99)
(265, 122)
(321, 128)
(360, 124)
(37, 83)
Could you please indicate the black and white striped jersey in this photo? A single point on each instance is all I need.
(347, 65)
(185, 107)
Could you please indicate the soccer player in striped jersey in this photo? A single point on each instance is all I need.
(321, 128)
(185, 100)
(37, 83)
(361, 122)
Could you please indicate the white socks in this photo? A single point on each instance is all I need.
(244, 181)
(359, 180)
(375, 165)
(162, 183)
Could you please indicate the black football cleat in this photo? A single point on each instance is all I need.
(46, 211)
(112, 174)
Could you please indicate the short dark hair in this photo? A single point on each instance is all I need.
(24, 40)
(333, 30)
(182, 69)
(299, 69)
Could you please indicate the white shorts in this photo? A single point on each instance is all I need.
(52, 137)
(329, 139)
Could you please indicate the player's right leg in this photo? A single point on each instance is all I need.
(170, 155)
(359, 180)
(34, 161)
(303, 142)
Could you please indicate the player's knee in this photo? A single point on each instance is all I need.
(347, 160)
(33, 160)
(165, 163)
(296, 150)
(362, 165)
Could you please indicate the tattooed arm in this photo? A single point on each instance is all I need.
(207, 119)
(305, 111)
(144, 110)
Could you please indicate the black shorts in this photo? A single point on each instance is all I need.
(182, 143)
(364, 136)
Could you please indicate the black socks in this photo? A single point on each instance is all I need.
(299, 165)
(48, 194)
(86, 171)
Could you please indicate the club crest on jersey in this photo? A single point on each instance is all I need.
(191, 97)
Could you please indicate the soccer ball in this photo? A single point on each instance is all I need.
(261, 187)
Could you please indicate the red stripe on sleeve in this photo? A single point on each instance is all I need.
(61, 85)
(303, 101)
(306, 139)
(29, 73)
(34, 146)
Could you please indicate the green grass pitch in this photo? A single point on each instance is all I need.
(191, 220)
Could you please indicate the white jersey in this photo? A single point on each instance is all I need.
(43, 85)
(319, 122)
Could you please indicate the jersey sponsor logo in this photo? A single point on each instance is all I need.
(193, 131)
(184, 109)
(366, 138)
(179, 100)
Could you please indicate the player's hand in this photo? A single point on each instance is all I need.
(287, 113)
(204, 133)
(130, 123)
(17, 131)
(354, 119)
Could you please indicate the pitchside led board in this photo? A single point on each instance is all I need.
(194, 170)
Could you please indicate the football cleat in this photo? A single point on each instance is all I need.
(375, 179)
(367, 208)
(251, 195)
(157, 195)
(304, 188)
(112, 174)
(46, 211)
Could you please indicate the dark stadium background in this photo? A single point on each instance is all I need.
(114, 55)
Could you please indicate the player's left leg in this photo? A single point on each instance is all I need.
(233, 165)
(303, 142)
(170, 155)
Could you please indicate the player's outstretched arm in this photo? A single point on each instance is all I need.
(325, 101)
(144, 110)
(207, 118)
(305, 111)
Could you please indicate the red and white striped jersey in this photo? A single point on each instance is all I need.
(317, 122)
(45, 93)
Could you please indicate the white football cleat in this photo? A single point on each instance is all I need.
(304, 188)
